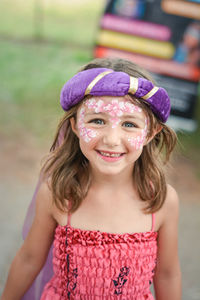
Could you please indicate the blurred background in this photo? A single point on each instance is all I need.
(42, 44)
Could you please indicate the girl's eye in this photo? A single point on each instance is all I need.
(97, 121)
(129, 125)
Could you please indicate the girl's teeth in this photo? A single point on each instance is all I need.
(110, 155)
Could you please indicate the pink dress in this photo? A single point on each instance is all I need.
(94, 265)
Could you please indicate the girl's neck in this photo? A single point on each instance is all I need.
(117, 181)
(112, 190)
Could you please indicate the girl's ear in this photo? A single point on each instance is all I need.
(74, 126)
(158, 128)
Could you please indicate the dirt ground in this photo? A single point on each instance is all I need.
(19, 164)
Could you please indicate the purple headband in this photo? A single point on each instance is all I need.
(106, 82)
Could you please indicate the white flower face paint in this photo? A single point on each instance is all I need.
(137, 142)
(86, 133)
(115, 108)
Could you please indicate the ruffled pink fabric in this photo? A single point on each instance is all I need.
(91, 265)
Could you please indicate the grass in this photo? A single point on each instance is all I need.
(30, 84)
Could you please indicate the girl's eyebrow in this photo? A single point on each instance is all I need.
(94, 113)
(137, 117)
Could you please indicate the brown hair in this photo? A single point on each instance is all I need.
(67, 167)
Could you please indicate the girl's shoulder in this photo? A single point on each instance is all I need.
(171, 200)
(45, 202)
(170, 210)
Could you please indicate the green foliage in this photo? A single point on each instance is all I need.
(190, 141)
(61, 20)
(30, 81)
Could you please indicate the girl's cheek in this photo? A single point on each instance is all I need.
(138, 141)
(86, 134)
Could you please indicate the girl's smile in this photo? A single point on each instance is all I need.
(110, 156)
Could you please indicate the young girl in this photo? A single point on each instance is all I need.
(102, 195)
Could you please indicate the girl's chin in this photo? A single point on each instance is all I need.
(110, 170)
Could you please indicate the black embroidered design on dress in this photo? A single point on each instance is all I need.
(71, 283)
(153, 271)
(121, 280)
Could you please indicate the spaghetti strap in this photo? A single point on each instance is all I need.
(153, 222)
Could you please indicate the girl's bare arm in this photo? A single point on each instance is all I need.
(32, 255)
(167, 280)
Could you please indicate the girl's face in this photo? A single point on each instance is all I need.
(112, 132)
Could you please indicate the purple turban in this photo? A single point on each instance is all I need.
(106, 82)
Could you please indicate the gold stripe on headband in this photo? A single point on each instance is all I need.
(95, 80)
(133, 85)
(151, 93)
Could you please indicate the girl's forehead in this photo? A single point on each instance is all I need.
(109, 99)
(109, 103)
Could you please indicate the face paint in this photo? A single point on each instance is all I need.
(86, 133)
(137, 142)
(115, 108)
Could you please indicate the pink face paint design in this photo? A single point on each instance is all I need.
(137, 142)
(87, 133)
(115, 108)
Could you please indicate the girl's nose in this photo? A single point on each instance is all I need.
(112, 136)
